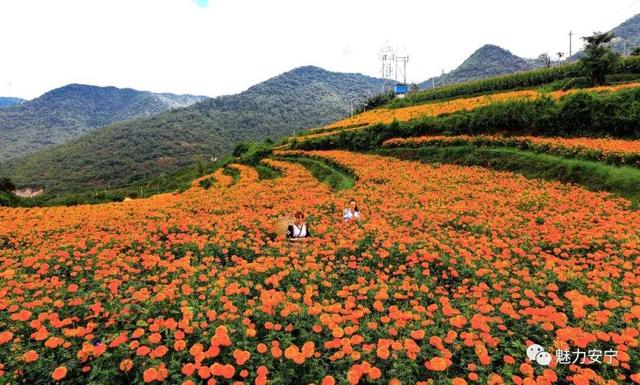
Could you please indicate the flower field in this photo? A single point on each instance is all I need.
(614, 151)
(387, 115)
(451, 273)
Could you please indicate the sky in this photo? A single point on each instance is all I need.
(219, 47)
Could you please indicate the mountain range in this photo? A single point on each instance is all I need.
(490, 60)
(133, 150)
(79, 137)
(68, 112)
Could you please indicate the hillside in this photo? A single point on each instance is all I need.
(130, 151)
(629, 34)
(9, 101)
(66, 113)
(488, 61)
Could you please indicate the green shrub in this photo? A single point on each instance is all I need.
(6, 185)
(255, 152)
(9, 199)
(206, 183)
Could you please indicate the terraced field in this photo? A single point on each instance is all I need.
(448, 277)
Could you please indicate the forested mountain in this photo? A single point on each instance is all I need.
(628, 34)
(130, 151)
(9, 101)
(488, 61)
(66, 113)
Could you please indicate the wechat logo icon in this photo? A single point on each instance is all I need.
(536, 353)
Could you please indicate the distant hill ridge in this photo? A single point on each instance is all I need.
(134, 150)
(491, 60)
(67, 112)
(488, 61)
(6, 101)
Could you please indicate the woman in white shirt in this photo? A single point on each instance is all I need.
(352, 211)
(298, 230)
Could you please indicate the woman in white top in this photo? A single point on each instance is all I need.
(298, 230)
(352, 211)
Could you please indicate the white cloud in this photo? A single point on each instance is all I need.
(228, 45)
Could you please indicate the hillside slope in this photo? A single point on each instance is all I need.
(489, 60)
(65, 113)
(131, 151)
(628, 34)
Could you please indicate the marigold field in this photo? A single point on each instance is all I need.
(451, 273)
(387, 115)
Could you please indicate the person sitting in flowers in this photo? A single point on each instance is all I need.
(351, 212)
(298, 230)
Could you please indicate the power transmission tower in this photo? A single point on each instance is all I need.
(404, 60)
(570, 43)
(387, 58)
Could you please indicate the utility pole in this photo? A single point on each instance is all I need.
(570, 43)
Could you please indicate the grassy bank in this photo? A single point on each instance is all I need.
(338, 178)
(265, 172)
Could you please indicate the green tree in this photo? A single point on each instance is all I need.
(635, 52)
(599, 59)
(377, 101)
(240, 149)
(6, 185)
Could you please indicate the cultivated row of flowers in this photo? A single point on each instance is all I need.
(447, 278)
(612, 151)
(388, 115)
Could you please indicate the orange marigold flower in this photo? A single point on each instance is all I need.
(188, 369)
(150, 375)
(126, 365)
(228, 371)
(5, 337)
(155, 338)
(241, 356)
(30, 356)
(437, 364)
(328, 380)
(59, 373)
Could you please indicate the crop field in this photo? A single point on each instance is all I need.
(386, 115)
(451, 273)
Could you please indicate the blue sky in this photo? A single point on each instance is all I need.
(225, 46)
